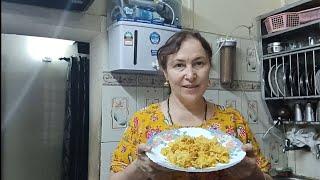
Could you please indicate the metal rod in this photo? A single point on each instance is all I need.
(298, 75)
(306, 74)
(314, 71)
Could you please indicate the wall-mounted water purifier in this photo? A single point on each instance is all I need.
(133, 46)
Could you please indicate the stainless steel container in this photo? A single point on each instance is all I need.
(308, 113)
(297, 113)
(227, 60)
(274, 47)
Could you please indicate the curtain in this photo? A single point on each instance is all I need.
(76, 129)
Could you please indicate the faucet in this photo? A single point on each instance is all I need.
(318, 151)
(289, 147)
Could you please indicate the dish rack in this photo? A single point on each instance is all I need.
(291, 75)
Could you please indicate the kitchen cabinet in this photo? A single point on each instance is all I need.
(290, 64)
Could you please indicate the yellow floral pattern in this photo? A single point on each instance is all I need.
(149, 121)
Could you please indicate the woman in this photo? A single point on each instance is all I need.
(185, 60)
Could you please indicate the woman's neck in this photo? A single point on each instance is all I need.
(195, 107)
(186, 114)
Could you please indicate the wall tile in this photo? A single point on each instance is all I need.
(148, 95)
(247, 54)
(117, 79)
(166, 93)
(106, 153)
(212, 39)
(238, 62)
(118, 105)
(230, 98)
(212, 96)
(157, 80)
(291, 160)
(307, 164)
(150, 80)
(261, 142)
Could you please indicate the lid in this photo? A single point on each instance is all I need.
(274, 44)
(227, 42)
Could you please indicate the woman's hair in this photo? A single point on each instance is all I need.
(173, 45)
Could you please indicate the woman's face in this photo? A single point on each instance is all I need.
(188, 71)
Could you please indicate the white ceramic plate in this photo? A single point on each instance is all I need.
(162, 139)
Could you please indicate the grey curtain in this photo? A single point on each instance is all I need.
(76, 130)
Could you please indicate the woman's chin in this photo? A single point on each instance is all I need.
(191, 98)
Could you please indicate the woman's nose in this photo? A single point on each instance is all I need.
(190, 75)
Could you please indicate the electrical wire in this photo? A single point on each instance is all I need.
(265, 134)
(120, 11)
(172, 11)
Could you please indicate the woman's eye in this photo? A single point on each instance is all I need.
(178, 65)
(199, 63)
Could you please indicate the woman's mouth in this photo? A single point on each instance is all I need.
(190, 86)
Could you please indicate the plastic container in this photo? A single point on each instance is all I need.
(281, 21)
(309, 15)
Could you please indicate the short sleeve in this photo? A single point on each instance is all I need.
(245, 134)
(125, 152)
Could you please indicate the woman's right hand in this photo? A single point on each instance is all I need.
(144, 164)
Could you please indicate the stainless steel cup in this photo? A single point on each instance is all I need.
(308, 113)
(297, 113)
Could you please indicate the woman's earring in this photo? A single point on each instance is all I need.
(209, 83)
(166, 83)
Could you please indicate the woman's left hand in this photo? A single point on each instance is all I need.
(247, 168)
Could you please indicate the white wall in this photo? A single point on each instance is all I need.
(98, 54)
(32, 109)
(44, 22)
(221, 17)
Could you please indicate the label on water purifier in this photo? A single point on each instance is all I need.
(154, 52)
(128, 39)
(154, 38)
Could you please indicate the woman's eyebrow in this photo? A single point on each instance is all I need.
(178, 60)
(183, 60)
(199, 58)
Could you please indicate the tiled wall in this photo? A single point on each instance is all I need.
(125, 93)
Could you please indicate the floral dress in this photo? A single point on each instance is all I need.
(149, 121)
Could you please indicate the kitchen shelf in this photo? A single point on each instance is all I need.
(293, 97)
(289, 77)
(293, 51)
(295, 6)
(291, 29)
(299, 122)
